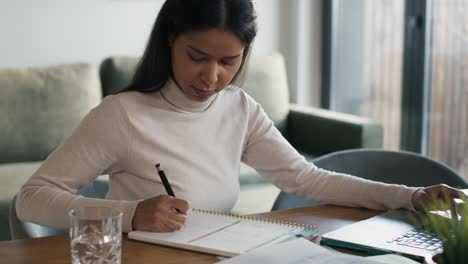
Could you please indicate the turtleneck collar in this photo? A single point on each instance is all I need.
(174, 95)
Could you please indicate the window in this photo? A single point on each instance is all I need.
(403, 63)
(367, 61)
(448, 112)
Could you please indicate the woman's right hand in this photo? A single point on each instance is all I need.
(162, 213)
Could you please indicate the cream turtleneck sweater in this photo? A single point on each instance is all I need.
(199, 145)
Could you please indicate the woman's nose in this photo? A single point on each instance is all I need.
(210, 74)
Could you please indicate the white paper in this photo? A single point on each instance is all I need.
(297, 251)
(391, 259)
(222, 234)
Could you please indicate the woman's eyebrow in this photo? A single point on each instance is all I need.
(209, 55)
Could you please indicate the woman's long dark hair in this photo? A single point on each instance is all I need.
(182, 16)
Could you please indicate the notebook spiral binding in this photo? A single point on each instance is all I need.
(258, 219)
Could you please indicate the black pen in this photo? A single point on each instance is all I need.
(164, 180)
(166, 183)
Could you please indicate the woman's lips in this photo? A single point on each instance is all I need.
(202, 93)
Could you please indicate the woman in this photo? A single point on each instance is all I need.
(181, 111)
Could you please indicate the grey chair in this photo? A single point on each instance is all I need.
(23, 230)
(399, 167)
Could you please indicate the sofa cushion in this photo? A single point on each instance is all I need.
(267, 83)
(116, 73)
(40, 106)
(248, 175)
(12, 177)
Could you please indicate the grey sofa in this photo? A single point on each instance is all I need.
(39, 108)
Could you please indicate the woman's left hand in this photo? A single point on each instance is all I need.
(426, 196)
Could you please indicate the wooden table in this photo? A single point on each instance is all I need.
(56, 249)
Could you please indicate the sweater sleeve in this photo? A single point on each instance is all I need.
(100, 143)
(274, 158)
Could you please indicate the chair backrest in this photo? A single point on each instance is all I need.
(266, 81)
(399, 167)
(24, 230)
(40, 106)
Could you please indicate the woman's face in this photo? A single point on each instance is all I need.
(204, 62)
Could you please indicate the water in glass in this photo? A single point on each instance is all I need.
(95, 237)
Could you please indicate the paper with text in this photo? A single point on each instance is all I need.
(224, 235)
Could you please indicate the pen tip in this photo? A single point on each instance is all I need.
(157, 165)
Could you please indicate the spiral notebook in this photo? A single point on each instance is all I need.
(226, 234)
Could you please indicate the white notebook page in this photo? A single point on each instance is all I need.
(221, 234)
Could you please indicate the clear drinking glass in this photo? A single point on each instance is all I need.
(96, 235)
